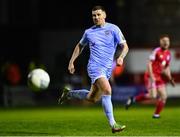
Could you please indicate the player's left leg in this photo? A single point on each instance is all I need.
(105, 87)
(161, 101)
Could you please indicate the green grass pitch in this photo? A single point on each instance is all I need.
(87, 121)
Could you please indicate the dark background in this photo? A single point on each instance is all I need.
(37, 29)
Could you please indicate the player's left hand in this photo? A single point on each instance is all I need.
(119, 61)
(172, 82)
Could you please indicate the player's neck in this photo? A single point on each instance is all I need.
(101, 25)
(163, 49)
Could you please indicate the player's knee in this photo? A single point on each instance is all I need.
(92, 99)
(107, 92)
(164, 101)
(164, 98)
(154, 96)
(104, 86)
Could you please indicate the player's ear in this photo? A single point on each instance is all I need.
(104, 14)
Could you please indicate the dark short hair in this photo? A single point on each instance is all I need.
(163, 35)
(98, 7)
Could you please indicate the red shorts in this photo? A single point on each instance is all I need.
(160, 81)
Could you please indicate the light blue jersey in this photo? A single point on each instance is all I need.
(102, 42)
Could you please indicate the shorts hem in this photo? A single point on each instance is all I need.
(156, 86)
(93, 81)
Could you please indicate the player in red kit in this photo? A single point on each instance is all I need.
(156, 76)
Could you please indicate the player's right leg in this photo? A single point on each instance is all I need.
(93, 95)
(161, 101)
(64, 95)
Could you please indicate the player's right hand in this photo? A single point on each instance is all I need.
(152, 79)
(71, 68)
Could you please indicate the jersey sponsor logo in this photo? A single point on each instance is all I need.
(163, 63)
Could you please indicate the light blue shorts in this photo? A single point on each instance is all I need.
(96, 72)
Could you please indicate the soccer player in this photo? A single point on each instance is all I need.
(102, 39)
(156, 76)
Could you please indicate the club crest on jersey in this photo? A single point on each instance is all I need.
(107, 32)
(161, 56)
(168, 57)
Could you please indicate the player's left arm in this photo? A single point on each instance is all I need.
(124, 52)
(167, 73)
(120, 40)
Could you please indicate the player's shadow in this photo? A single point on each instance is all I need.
(22, 133)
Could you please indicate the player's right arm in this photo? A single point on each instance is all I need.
(152, 58)
(150, 70)
(77, 51)
(152, 91)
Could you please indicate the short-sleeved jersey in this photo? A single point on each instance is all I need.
(102, 42)
(160, 59)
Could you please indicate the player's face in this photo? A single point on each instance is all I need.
(98, 17)
(164, 43)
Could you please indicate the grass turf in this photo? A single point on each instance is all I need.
(87, 121)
